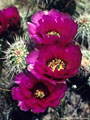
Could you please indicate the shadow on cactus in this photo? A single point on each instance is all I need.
(62, 5)
(15, 56)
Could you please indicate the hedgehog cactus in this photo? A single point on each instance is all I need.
(85, 63)
(84, 27)
(82, 17)
(86, 59)
(82, 5)
(15, 56)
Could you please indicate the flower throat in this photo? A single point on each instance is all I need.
(40, 91)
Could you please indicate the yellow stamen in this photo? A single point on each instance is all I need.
(56, 64)
(53, 33)
(39, 94)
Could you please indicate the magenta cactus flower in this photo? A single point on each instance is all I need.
(2, 23)
(12, 16)
(54, 63)
(49, 27)
(35, 94)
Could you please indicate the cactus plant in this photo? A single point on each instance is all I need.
(86, 59)
(84, 26)
(86, 63)
(82, 17)
(15, 56)
(4, 3)
(82, 5)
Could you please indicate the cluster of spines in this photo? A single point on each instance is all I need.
(83, 19)
(86, 59)
(15, 56)
(84, 27)
(82, 5)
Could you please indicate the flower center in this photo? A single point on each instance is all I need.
(12, 19)
(39, 94)
(40, 91)
(56, 64)
(53, 33)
